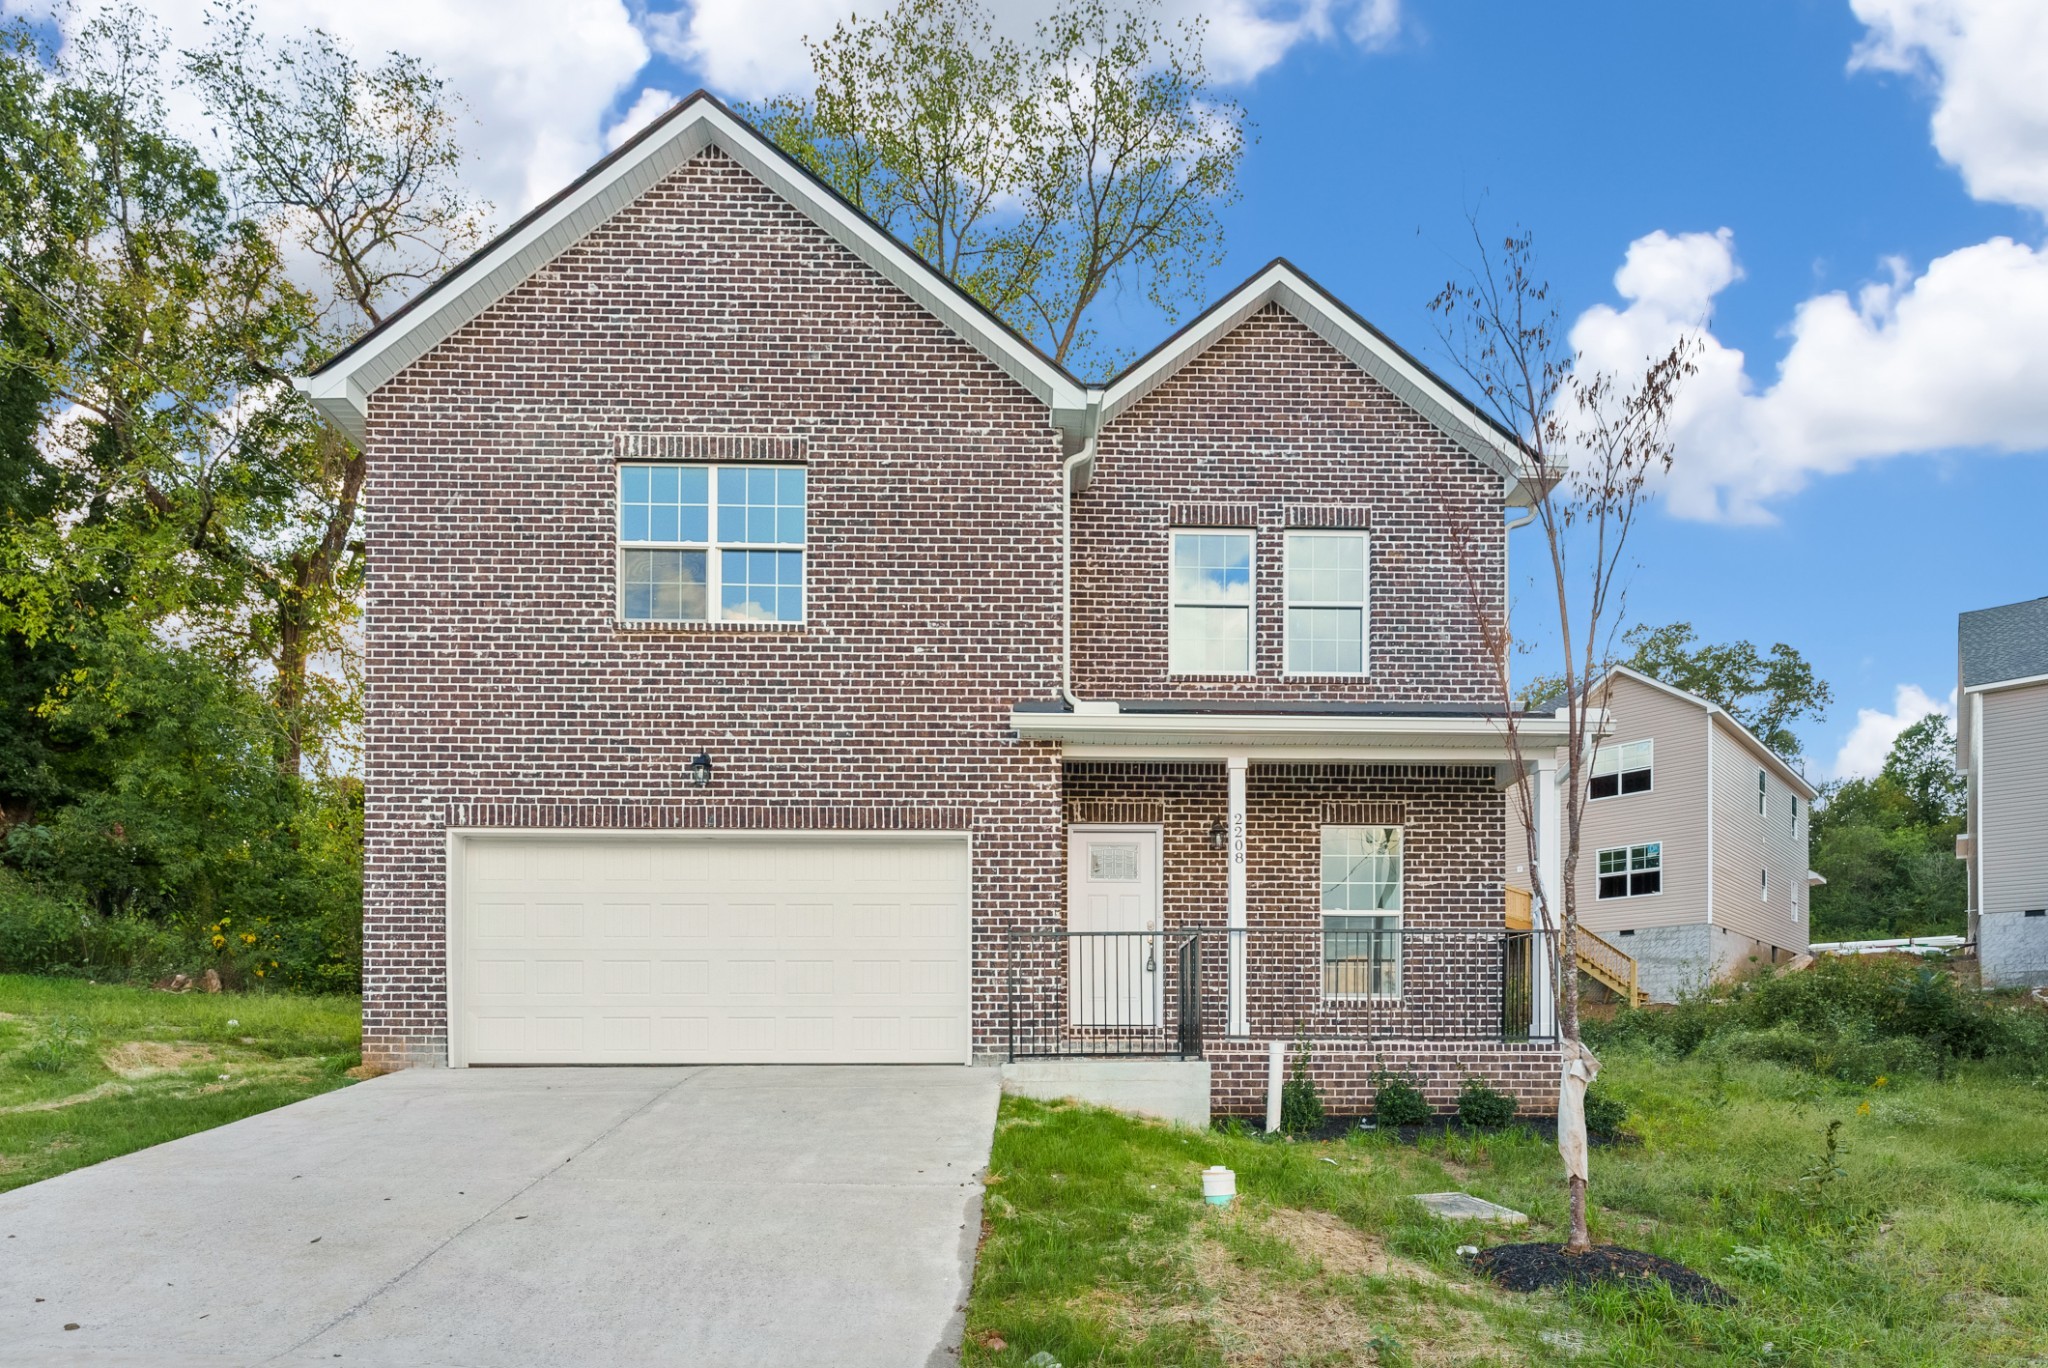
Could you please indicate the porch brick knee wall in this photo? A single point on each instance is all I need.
(1343, 1071)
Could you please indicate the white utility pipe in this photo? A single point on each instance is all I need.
(1276, 1077)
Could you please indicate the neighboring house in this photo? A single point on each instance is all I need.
(726, 699)
(1693, 848)
(2002, 750)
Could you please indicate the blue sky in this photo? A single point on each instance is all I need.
(1847, 195)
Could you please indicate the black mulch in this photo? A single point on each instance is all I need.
(1534, 1267)
(1543, 1127)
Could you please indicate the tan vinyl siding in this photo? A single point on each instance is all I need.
(2012, 811)
(1673, 812)
(1745, 844)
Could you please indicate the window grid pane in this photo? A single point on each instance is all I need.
(1326, 611)
(1361, 869)
(761, 586)
(1361, 956)
(662, 586)
(664, 504)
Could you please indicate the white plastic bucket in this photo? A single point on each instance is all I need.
(1219, 1185)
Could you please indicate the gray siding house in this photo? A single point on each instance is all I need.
(2002, 749)
(1693, 854)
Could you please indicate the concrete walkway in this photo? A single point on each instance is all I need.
(706, 1216)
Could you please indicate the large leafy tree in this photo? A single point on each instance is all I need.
(1765, 692)
(1038, 175)
(1886, 845)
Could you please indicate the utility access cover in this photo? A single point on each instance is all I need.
(1463, 1206)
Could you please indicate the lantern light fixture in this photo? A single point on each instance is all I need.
(700, 770)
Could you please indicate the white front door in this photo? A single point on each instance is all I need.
(1115, 954)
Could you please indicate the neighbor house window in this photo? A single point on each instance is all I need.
(1795, 812)
(1632, 871)
(711, 543)
(1763, 885)
(1622, 769)
(1209, 627)
(1762, 788)
(1361, 911)
(1326, 613)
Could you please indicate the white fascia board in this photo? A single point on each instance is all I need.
(1995, 685)
(342, 390)
(1280, 284)
(1296, 736)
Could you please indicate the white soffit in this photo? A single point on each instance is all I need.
(341, 389)
(1280, 283)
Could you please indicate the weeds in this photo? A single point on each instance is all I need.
(58, 1046)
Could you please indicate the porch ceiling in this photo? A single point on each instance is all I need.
(1311, 732)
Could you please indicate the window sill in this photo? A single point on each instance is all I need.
(635, 627)
(1363, 997)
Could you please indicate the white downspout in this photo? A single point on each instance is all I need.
(1072, 466)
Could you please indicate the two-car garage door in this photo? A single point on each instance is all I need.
(708, 948)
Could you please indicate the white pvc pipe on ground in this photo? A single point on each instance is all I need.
(1276, 1074)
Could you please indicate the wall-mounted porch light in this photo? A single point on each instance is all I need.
(1219, 835)
(700, 770)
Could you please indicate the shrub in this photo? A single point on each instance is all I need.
(1301, 1106)
(1484, 1108)
(45, 932)
(1397, 1101)
(1605, 1115)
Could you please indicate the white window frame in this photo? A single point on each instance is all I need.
(1396, 914)
(1763, 884)
(1763, 788)
(713, 548)
(1629, 873)
(1251, 603)
(1288, 601)
(1620, 770)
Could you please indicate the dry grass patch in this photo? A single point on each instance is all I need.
(142, 1058)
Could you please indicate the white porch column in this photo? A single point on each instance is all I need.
(1236, 767)
(1548, 909)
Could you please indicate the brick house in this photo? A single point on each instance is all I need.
(732, 695)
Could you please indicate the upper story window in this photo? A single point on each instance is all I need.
(1209, 615)
(1763, 787)
(1361, 911)
(711, 543)
(1795, 814)
(1632, 871)
(1622, 769)
(1326, 610)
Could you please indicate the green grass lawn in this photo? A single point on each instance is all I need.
(89, 1071)
(1928, 1246)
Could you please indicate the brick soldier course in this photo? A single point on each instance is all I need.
(711, 318)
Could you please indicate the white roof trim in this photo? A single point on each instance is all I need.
(1427, 740)
(1280, 283)
(1792, 777)
(341, 390)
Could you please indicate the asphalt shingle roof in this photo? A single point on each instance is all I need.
(2010, 642)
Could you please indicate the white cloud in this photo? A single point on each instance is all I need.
(1954, 358)
(1870, 741)
(652, 103)
(747, 49)
(1988, 61)
(539, 76)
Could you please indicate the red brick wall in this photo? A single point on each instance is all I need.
(497, 674)
(1343, 1070)
(1273, 422)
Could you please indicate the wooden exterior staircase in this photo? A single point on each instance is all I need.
(1600, 959)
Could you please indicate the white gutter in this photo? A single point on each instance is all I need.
(1069, 472)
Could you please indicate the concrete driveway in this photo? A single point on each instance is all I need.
(706, 1216)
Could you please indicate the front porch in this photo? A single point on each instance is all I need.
(1236, 880)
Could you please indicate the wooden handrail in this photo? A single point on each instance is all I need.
(1598, 956)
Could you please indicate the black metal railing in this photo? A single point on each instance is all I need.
(1125, 994)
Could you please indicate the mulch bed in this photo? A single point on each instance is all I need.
(1543, 1127)
(1535, 1267)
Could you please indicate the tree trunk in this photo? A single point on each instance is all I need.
(1580, 1241)
(290, 690)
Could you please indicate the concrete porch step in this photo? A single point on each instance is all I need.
(1168, 1089)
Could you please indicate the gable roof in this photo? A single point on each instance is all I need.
(1771, 759)
(1282, 283)
(2008, 642)
(341, 388)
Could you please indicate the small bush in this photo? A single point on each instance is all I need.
(1484, 1108)
(1301, 1106)
(1397, 1101)
(1605, 1115)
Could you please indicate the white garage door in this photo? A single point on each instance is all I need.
(683, 948)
